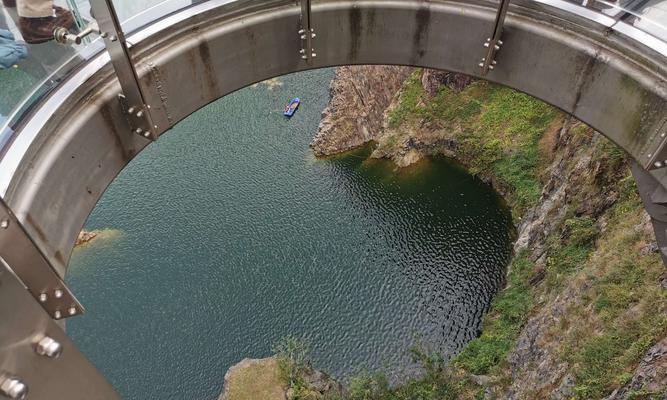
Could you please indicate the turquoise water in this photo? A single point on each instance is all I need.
(228, 235)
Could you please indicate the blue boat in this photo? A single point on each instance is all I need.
(290, 109)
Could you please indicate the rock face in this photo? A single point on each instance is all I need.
(433, 80)
(355, 114)
(85, 237)
(260, 379)
(650, 377)
(254, 379)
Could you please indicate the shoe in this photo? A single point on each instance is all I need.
(9, 3)
(40, 30)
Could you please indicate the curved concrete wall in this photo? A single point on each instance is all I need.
(86, 142)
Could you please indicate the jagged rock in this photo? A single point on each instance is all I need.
(650, 377)
(85, 237)
(433, 80)
(355, 114)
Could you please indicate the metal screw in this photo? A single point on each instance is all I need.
(138, 131)
(496, 47)
(147, 134)
(491, 67)
(48, 347)
(4, 224)
(312, 35)
(14, 389)
(57, 314)
(301, 32)
(71, 310)
(130, 110)
(140, 114)
(649, 155)
(500, 42)
(314, 55)
(486, 44)
(657, 164)
(58, 293)
(481, 65)
(43, 297)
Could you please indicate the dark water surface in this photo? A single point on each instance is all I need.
(230, 235)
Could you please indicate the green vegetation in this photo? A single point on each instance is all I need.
(498, 130)
(293, 356)
(502, 324)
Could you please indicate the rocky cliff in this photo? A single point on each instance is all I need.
(584, 313)
(359, 97)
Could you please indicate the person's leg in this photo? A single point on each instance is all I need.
(38, 19)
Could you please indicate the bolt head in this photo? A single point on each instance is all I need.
(57, 314)
(48, 347)
(140, 114)
(4, 224)
(14, 389)
(486, 44)
(58, 293)
(43, 297)
(657, 164)
(71, 310)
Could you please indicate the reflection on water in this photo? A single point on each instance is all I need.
(233, 236)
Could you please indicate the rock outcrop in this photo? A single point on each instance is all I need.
(355, 114)
(253, 379)
(85, 237)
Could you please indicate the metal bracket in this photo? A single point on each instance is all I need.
(133, 101)
(493, 44)
(37, 358)
(31, 266)
(306, 33)
(658, 157)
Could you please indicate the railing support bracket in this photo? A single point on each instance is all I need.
(493, 43)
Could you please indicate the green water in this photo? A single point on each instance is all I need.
(228, 235)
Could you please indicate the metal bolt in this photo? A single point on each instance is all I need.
(58, 293)
(491, 67)
(313, 55)
(657, 164)
(494, 62)
(57, 314)
(302, 51)
(649, 155)
(71, 310)
(104, 34)
(301, 32)
(481, 65)
(113, 38)
(500, 42)
(14, 389)
(147, 134)
(130, 110)
(304, 57)
(48, 347)
(496, 47)
(140, 114)
(4, 224)
(486, 44)
(43, 297)
(312, 35)
(138, 131)
(303, 37)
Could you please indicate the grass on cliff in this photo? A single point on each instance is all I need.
(502, 324)
(498, 130)
(624, 309)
